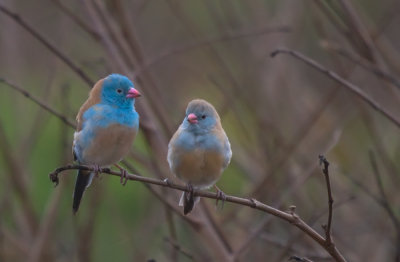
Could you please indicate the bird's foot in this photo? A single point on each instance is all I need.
(124, 175)
(220, 196)
(96, 170)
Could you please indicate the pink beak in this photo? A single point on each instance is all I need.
(133, 93)
(192, 118)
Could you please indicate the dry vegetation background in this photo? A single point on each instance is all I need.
(279, 114)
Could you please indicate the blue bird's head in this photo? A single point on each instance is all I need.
(200, 117)
(119, 91)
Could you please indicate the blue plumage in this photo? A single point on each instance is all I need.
(199, 150)
(107, 126)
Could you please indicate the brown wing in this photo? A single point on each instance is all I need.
(94, 98)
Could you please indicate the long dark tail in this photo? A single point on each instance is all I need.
(83, 180)
(188, 201)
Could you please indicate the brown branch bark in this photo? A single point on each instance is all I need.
(290, 216)
(327, 227)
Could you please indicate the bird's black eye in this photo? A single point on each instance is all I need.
(119, 91)
(203, 117)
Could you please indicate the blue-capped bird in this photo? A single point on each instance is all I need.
(107, 124)
(199, 151)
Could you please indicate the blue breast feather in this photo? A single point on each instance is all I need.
(102, 116)
(189, 141)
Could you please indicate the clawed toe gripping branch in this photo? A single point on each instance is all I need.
(289, 216)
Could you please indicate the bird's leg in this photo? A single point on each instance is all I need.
(220, 196)
(124, 174)
(96, 170)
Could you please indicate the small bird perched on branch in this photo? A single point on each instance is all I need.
(199, 151)
(107, 126)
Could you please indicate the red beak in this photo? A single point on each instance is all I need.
(192, 118)
(133, 93)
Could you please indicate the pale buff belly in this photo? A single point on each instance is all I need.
(110, 145)
(199, 167)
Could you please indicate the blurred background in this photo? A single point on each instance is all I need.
(279, 114)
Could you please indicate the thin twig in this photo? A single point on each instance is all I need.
(279, 243)
(246, 243)
(358, 28)
(325, 170)
(38, 246)
(85, 27)
(384, 202)
(290, 217)
(47, 44)
(217, 229)
(19, 185)
(38, 102)
(178, 248)
(383, 197)
(299, 259)
(207, 42)
(350, 86)
(280, 161)
(28, 143)
(361, 62)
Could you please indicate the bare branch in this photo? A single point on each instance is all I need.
(38, 102)
(47, 44)
(385, 203)
(325, 170)
(361, 62)
(350, 86)
(76, 19)
(209, 41)
(299, 259)
(290, 216)
(178, 248)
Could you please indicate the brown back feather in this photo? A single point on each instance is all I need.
(94, 98)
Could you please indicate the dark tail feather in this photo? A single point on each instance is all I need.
(188, 202)
(83, 180)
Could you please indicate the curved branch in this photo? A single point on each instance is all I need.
(289, 216)
(17, 19)
(350, 86)
(38, 102)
